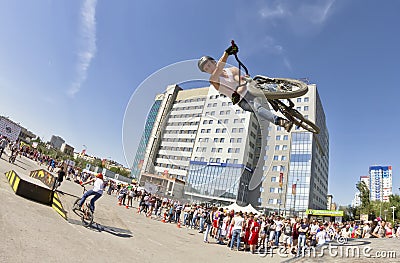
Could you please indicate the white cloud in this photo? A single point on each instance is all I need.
(317, 14)
(273, 12)
(88, 49)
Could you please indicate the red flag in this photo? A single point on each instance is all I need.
(280, 179)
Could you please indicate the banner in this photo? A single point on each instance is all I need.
(9, 129)
(293, 189)
(150, 188)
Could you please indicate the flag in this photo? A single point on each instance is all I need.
(293, 189)
(280, 180)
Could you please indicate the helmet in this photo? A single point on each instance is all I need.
(203, 61)
(99, 175)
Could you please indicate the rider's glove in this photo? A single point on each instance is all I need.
(235, 98)
(231, 50)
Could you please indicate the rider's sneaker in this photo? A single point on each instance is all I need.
(287, 125)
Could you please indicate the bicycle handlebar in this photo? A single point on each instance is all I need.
(238, 60)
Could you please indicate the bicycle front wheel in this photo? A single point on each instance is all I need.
(298, 119)
(280, 88)
(87, 217)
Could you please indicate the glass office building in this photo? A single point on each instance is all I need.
(139, 157)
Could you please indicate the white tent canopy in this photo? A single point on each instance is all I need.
(237, 208)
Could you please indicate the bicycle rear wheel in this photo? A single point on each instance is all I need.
(280, 88)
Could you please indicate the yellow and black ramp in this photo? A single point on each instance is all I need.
(29, 190)
(13, 179)
(57, 206)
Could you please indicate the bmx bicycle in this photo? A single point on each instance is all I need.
(12, 158)
(277, 89)
(85, 213)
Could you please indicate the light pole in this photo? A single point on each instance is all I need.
(243, 188)
(393, 208)
(294, 195)
(385, 211)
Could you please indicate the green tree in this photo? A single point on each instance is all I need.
(364, 196)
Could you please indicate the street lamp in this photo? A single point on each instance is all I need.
(243, 189)
(393, 208)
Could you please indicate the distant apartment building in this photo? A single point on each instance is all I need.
(380, 182)
(67, 149)
(56, 142)
(296, 164)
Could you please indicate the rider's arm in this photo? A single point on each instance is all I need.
(214, 79)
(88, 182)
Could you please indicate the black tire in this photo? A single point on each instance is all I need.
(285, 88)
(297, 118)
(87, 217)
(76, 204)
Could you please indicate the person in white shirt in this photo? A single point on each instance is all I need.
(237, 226)
(97, 191)
(321, 236)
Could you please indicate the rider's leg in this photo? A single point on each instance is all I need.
(268, 115)
(94, 199)
(85, 195)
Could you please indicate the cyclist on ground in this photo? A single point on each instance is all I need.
(226, 80)
(97, 191)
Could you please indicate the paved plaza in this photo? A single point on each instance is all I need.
(33, 232)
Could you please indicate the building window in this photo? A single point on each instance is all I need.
(283, 158)
(276, 157)
(239, 140)
(235, 161)
(284, 147)
(273, 179)
(222, 140)
(306, 99)
(237, 112)
(285, 137)
(298, 99)
(276, 147)
(278, 138)
(232, 140)
(241, 130)
(270, 201)
(305, 108)
(272, 190)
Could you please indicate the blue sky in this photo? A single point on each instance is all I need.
(70, 68)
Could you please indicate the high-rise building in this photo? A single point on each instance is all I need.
(380, 182)
(296, 163)
(198, 136)
(140, 152)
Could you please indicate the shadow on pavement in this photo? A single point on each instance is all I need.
(100, 228)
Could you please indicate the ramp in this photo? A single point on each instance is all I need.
(36, 192)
